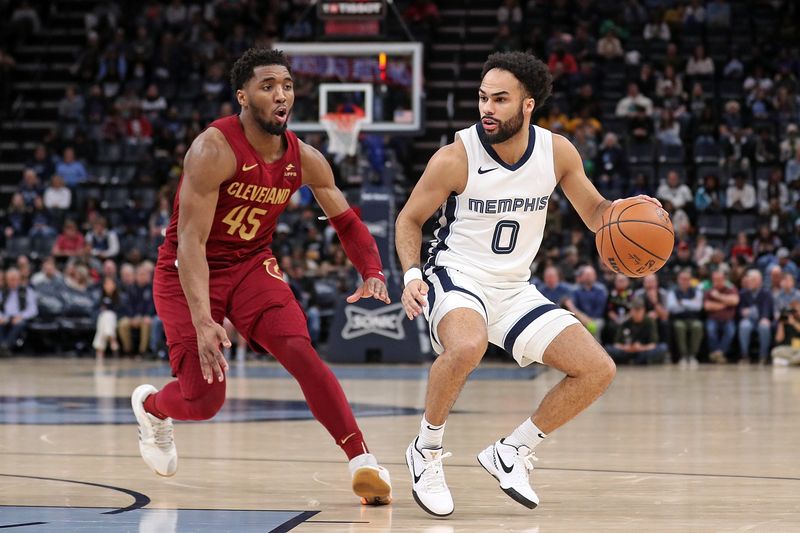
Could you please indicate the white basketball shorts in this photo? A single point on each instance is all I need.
(520, 320)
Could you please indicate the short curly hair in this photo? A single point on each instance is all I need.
(242, 70)
(531, 72)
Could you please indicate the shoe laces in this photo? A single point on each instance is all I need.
(528, 460)
(162, 434)
(434, 474)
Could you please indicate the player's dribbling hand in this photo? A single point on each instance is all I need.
(212, 361)
(640, 197)
(371, 288)
(415, 297)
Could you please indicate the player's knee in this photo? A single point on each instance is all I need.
(467, 353)
(208, 405)
(606, 369)
(296, 355)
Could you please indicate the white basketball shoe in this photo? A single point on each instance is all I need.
(511, 466)
(428, 487)
(156, 443)
(371, 481)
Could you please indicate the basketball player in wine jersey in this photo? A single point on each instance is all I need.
(216, 262)
(493, 184)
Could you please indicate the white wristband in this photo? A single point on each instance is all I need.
(412, 274)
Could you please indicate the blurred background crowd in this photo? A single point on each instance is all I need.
(693, 102)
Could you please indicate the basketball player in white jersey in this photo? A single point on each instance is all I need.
(493, 184)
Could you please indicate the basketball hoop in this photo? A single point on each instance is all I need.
(343, 130)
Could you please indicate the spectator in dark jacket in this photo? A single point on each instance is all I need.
(755, 312)
(138, 312)
(589, 301)
(685, 303)
(636, 340)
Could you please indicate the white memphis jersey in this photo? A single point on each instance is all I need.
(493, 229)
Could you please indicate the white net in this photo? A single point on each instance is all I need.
(343, 130)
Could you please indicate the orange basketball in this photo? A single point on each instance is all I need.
(636, 237)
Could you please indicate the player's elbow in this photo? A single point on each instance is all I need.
(405, 223)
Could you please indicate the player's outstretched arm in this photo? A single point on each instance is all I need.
(446, 173)
(356, 239)
(577, 187)
(208, 163)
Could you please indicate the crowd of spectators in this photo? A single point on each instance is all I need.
(694, 103)
(659, 97)
(96, 196)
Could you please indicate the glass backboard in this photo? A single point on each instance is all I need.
(384, 79)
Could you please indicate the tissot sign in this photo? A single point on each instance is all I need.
(351, 9)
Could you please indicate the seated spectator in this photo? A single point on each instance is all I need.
(70, 242)
(758, 104)
(555, 120)
(773, 189)
(673, 190)
(619, 301)
(17, 308)
(766, 149)
(694, 16)
(609, 47)
(783, 260)
(685, 305)
(554, 289)
(720, 303)
(657, 28)
(72, 170)
(756, 309)
(138, 129)
(787, 336)
(612, 163)
(741, 195)
(709, 197)
(787, 293)
(102, 242)
(57, 196)
(741, 250)
(702, 251)
(640, 125)
(41, 221)
(49, 274)
(699, 63)
(668, 131)
(41, 163)
(106, 330)
(790, 144)
(153, 105)
(70, 109)
(589, 301)
(138, 313)
(18, 220)
(636, 340)
(561, 57)
(655, 304)
(793, 170)
(30, 187)
(627, 106)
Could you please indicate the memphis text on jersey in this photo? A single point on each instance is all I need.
(507, 205)
(258, 193)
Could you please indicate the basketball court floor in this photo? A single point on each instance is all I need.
(666, 449)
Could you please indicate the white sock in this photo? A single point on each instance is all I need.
(430, 436)
(527, 433)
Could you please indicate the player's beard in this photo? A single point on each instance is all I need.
(268, 126)
(505, 129)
